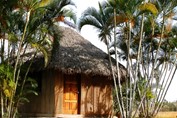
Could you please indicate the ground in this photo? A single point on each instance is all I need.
(167, 115)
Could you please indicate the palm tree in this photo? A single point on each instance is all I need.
(102, 20)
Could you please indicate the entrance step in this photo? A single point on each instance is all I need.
(69, 116)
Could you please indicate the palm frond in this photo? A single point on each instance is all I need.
(100, 19)
(101, 11)
(89, 20)
(148, 7)
(63, 3)
(104, 4)
(44, 3)
(69, 13)
(91, 11)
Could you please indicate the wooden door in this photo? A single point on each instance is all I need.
(70, 100)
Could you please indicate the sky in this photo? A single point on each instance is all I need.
(89, 33)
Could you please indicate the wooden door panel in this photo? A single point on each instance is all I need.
(66, 106)
(70, 101)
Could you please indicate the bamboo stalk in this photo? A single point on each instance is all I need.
(17, 61)
(113, 75)
(155, 59)
(137, 63)
(2, 105)
(117, 68)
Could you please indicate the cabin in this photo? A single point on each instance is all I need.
(76, 82)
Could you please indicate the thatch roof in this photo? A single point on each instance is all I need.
(77, 55)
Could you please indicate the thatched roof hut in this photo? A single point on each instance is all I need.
(77, 55)
(77, 80)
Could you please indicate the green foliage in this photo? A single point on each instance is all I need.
(6, 71)
(173, 42)
(115, 102)
(169, 106)
(141, 85)
(149, 94)
(124, 98)
(7, 85)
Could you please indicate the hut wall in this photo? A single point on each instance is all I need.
(58, 92)
(96, 96)
(43, 104)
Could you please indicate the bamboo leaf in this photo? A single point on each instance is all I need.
(33, 82)
(11, 84)
(6, 71)
(43, 50)
(7, 93)
(12, 37)
(4, 85)
(24, 99)
(31, 91)
(149, 94)
(173, 42)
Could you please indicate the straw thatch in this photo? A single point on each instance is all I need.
(77, 55)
